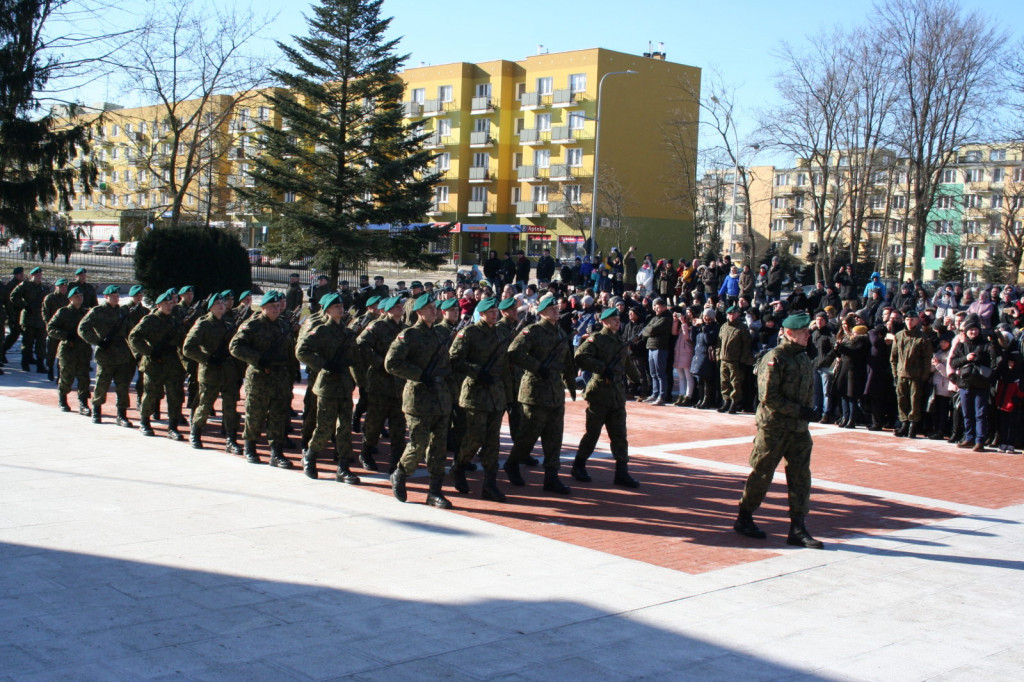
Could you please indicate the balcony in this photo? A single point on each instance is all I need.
(412, 109)
(558, 209)
(532, 173)
(527, 209)
(531, 136)
(563, 134)
(566, 98)
(480, 174)
(435, 107)
(561, 172)
(534, 100)
(436, 141)
(480, 139)
(479, 208)
(438, 208)
(482, 105)
(977, 187)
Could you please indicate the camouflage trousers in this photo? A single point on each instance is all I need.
(732, 381)
(378, 411)
(483, 433)
(309, 407)
(208, 394)
(74, 367)
(770, 447)
(543, 422)
(268, 401)
(909, 399)
(121, 375)
(164, 380)
(33, 342)
(427, 440)
(333, 418)
(614, 420)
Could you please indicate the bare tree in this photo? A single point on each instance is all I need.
(614, 221)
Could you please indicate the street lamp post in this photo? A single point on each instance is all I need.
(597, 149)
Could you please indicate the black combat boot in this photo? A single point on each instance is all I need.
(172, 430)
(512, 471)
(251, 455)
(435, 496)
(902, 430)
(97, 414)
(41, 368)
(799, 537)
(231, 445)
(345, 475)
(49, 372)
(309, 464)
(579, 469)
(122, 418)
(459, 481)
(26, 362)
(734, 407)
(146, 427)
(745, 526)
(83, 408)
(491, 491)
(62, 402)
(622, 476)
(195, 437)
(366, 459)
(530, 461)
(552, 484)
(725, 406)
(277, 458)
(398, 485)
(356, 428)
(912, 431)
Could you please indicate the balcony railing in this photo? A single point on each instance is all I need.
(412, 109)
(479, 208)
(435, 140)
(531, 173)
(479, 174)
(534, 100)
(566, 97)
(531, 136)
(561, 171)
(439, 208)
(526, 209)
(562, 134)
(480, 139)
(482, 105)
(558, 209)
(435, 107)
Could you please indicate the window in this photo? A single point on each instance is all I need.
(127, 174)
(113, 153)
(1018, 226)
(798, 201)
(576, 119)
(542, 158)
(781, 179)
(780, 202)
(441, 194)
(997, 201)
(801, 179)
(972, 156)
(289, 197)
(998, 174)
(166, 128)
(143, 175)
(418, 95)
(166, 175)
(478, 194)
(520, 91)
(995, 227)
(482, 90)
(949, 176)
(482, 125)
(974, 175)
(263, 113)
(243, 114)
(545, 85)
(875, 226)
(574, 156)
(543, 122)
(971, 201)
(572, 193)
(879, 177)
(578, 83)
(1016, 202)
(113, 200)
(480, 160)
(443, 161)
(877, 202)
(997, 155)
(540, 194)
(797, 248)
(778, 225)
(444, 93)
(114, 131)
(940, 250)
(944, 227)
(899, 201)
(113, 176)
(520, 124)
(517, 195)
(798, 225)
(970, 252)
(1018, 174)
(127, 128)
(444, 127)
(971, 226)
(896, 249)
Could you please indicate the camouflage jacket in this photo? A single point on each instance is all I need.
(530, 350)
(735, 344)
(605, 355)
(507, 328)
(108, 322)
(63, 327)
(785, 383)
(911, 355)
(207, 343)
(329, 349)
(265, 345)
(410, 355)
(53, 302)
(473, 347)
(28, 297)
(373, 345)
(156, 338)
(135, 314)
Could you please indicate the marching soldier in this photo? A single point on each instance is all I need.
(785, 386)
(266, 344)
(106, 327)
(544, 352)
(88, 291)
(309, 399)
(207, 344)
(28, 297)
(329, 350)
(155, 340)
(136, 311)
(479, 353)
(13, 318)
(447, 324)
(606, 356)
(74, 353)
(188, 311)
(54, 301)
(359, 367)
(419, 356)
(383, 389)
(508, 327)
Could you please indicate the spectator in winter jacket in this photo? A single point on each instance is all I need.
(730, 289)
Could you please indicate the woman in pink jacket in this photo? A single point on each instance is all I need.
(685, 383)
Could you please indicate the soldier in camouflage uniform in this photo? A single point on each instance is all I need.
(74, 353)
(360, 366)
(544, 352)
(785, 387)
(480, 354)
(735, 353)
(419, 356)
(606, 356)
(509, 327)
(54, 301)
(329, 349)
(136, 311)
(448, 323)
(28, 298)
(911, 359)
(89, 299)
(318, 291)
(155, 340)
(11, 313)
(266, 344)
(189, 310)
(207, 344)
(383, 390)
(106, 327)
(415, 291)
(309, 399)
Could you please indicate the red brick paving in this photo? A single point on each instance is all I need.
(681, 516)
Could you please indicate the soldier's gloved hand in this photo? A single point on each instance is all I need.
(334, 366)
(543, 373)
(103, 345)
(427, 377)
(263, 364)
(808, 414)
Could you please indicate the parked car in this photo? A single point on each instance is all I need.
(108, 248)
(128, 248)
(256, 256)
(87, 246)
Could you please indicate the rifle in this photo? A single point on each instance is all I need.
(272, 354)
(501, 348)
(610, 366)
(553, 355)
(109, 336)
(192, 312)
(428, 372)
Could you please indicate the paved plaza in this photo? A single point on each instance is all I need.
(126, 558)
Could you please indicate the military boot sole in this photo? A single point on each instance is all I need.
(557, 487)
(493, 494)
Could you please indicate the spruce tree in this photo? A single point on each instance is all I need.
(952, 268)
(344, 158)
(41, 158)
(997, 267)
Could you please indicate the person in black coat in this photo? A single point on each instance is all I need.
(545, 267)
(492, 271)
(974, 362)
(851, 377)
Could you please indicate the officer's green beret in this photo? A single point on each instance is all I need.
(343, 283)
(171, 292)
(797, 321)
(227, 293)
(135, 290)
(34, 271)
(416, 285)
(508, 303)
(214, 299)
(609, 312)
(373, 300)
(320, 277)
(387, 304)
(294, 274)
(448, 304)
(74, 291)
(185, 289)
(244, 294)
(60, 281)
(486, 304)
(327, 300)
(80, 271)
(422, 302)
(448, 288)
(17, 270)
(112, 289)
(166, 296)
(732, 309)
(545, 302)
(268, 298)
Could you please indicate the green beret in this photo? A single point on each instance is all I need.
(112, 289)
(545, 302)
(732, 309)
(416, 285)
(80, 271)
(422, 302)
(185, 289)
(268, 298)
(486, 304)
(60, 281)
(17, 270)
(166, 296)
(171, 292)
(387, 304)
(373, 300)
(135, 290)
(244, 294)
(227, 293)
(609, 312)
(797, 321)
(294, 274)
(34, 271)
(214, 299)
(508, 303)
(74, 291)
(449, 304)
(327, 300)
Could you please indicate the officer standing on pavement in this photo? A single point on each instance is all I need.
(318, 291)
(419, 356)
(785, 386)
(606, 356)
(207, 344)
(293, 298)
(911, 358)
(735, 350)
(106, 327)
(156, 339)
(74, 354)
